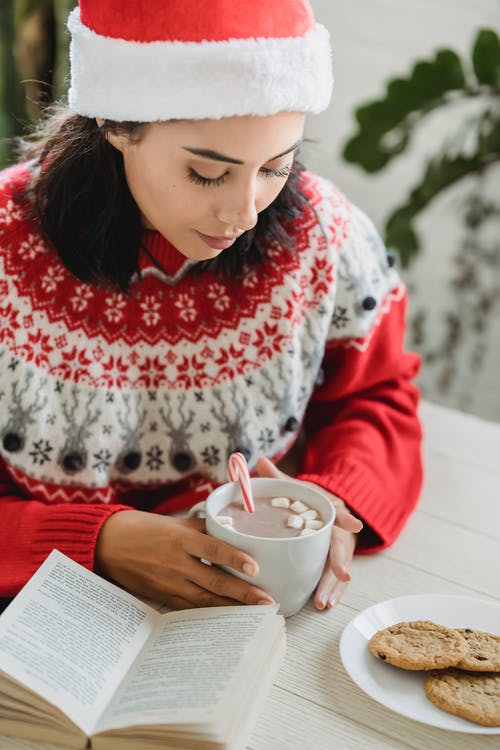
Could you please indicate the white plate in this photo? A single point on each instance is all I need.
(398, 689)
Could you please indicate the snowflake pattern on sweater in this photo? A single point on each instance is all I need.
(101, 390)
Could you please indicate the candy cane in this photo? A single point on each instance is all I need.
(238, 472)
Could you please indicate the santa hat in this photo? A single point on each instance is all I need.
(147, 60)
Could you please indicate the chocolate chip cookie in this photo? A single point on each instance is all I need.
(484, 651)
(474, 696)
(419, 644)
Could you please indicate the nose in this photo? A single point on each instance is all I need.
(239, 209)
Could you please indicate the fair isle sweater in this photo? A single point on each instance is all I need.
(111, 401)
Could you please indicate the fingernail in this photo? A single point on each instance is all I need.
(265, 601)
(250, 570)
(321, 601)
(332, 602)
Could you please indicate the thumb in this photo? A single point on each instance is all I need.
(265, 468)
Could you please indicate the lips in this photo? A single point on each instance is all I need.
(217, 243)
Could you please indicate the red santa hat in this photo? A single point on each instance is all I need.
(147, 60)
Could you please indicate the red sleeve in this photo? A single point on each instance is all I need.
(363, 436)
(31, 529)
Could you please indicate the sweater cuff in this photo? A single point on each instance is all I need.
(362, 493)
(72, 529)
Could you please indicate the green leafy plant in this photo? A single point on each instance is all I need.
(385, 127)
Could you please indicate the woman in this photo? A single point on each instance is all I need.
(174, 287)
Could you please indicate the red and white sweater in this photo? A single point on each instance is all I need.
(110, 401)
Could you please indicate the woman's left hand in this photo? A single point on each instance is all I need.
(336, 575)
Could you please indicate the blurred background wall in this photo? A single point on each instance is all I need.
(422, 157)
(454, 275)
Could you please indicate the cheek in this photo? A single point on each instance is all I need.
(154, 189)
(141, 178)
(269, 192)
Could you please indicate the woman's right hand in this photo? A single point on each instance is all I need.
(159, 557)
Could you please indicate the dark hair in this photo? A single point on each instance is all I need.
(83, 205)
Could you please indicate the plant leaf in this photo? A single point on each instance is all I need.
(439, 174)
(450, 69)
(366, 151)
(384, 125)
(400, 235)
(486, 57)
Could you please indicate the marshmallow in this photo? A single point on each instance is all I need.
(310, 514)
(298, 507)
(295, 522)
(225, 520)
(314, 524)
(280, 502)
(306, 532)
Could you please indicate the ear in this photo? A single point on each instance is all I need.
(118, 140)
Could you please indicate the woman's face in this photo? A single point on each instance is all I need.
(199, 181)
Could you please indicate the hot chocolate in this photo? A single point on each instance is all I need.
(273, 517)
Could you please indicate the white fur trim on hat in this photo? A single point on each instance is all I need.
(137, 81)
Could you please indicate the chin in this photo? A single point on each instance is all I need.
(208, 255)
(191, 252)
(202, 253)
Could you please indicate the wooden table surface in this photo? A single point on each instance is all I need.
(451, 545)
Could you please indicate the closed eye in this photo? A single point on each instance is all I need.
(281, 172)
(198, 179)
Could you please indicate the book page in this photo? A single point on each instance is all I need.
(188, 665)
(71, 636)
(14, 743)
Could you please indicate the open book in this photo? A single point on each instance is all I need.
(85, 664)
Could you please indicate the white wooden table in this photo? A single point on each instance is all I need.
(451, 545)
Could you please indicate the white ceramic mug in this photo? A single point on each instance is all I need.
(289, 567)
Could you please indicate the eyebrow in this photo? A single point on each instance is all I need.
(216, 156)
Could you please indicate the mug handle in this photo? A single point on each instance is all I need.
(197, 511)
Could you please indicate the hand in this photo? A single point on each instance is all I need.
(336, 574)
(159, 557)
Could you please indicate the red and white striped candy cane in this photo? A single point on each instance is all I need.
(237, 470)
